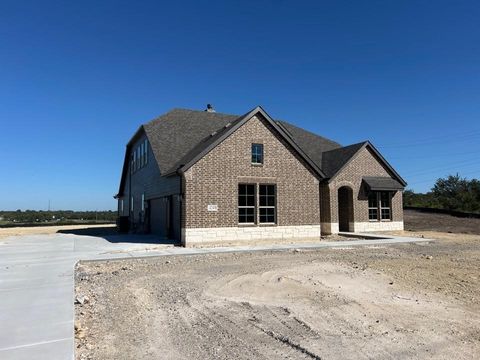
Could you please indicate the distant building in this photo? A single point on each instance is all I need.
(199, 176)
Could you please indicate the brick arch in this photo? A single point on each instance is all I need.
(334, 197)
(344, 183)
(345, 207)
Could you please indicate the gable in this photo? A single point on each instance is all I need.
(232, 157)
(366, 162)
(218, 137)
(334, 160)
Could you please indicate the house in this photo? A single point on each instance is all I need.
(202, 176)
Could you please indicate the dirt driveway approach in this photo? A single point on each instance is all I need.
(404, 301)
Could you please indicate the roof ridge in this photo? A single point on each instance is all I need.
(186, 110)
(307, 131)
(349, 146)
(203, 111)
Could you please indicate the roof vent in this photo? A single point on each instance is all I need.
(209, 108)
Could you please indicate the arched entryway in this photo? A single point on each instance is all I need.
(345, 208)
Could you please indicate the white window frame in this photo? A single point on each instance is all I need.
(378, 206)
(143, 202)
(373, 207)
(262, 155)
(274, 207)
(131, 204)
(247, 206)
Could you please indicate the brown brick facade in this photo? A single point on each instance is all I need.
(214, 180)
(363, 164)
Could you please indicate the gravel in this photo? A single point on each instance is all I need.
(403, 301)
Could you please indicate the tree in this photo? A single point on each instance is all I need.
(457, 193)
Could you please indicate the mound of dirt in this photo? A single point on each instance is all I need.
(404, 301)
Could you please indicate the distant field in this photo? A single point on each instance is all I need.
(9, 224)
(422, 221)
(93, 229)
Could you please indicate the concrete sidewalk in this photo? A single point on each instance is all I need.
(37, 284)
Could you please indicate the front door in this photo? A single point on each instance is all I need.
(345, 208)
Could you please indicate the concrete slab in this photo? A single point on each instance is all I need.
(37, 285)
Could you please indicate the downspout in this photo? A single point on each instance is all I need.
(181, 174)
(320, 208)
(130, 192)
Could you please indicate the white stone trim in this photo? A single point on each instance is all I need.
(245, 233)
(329, 228)
(377, 226)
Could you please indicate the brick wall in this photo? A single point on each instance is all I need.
(214, 180)
(363, 164)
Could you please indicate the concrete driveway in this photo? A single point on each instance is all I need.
(37, 284)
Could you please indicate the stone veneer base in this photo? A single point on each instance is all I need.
(377, 226)
(333, 228)
(329, 228)
(245, 233)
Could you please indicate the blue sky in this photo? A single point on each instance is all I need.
(78, 78)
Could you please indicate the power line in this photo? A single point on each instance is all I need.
(465, 174)
(447, 165)
(429, 171)
(431, 141)
(435, 138)
(435, 156)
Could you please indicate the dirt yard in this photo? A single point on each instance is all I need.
(383, 302)
(422, 221)
(42, 230)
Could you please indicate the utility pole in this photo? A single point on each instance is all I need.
(48, 205)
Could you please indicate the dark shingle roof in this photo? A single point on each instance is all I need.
(334, 160)
(312, 144)
(379, 183)
(179, 135)
(173, 135)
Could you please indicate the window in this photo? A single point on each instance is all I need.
(139, 156)
(257, 154)
(267, 204)
(379, 206)
(385, 207)
(121, 207)
(143, 202)
(372, 207)
(246, 203)
(145, 147)
(139, 164)
(131, 204)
